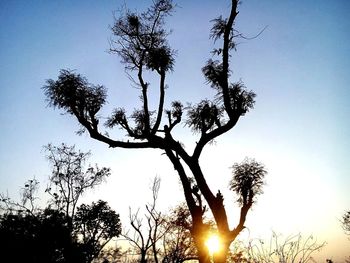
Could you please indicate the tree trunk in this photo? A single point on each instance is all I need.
(198, 232)
(143, 257)
(202, 253)
(221, 257)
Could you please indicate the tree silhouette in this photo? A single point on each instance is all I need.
(161, 237)
(69, 180)
(40, 238)
(141, 42)
(66, 233)
(178, 245)
(45, 235)
(95, 225)
(247, 181)
(56, 238)
(147, 231)
(346, 227)
(28, 197)
(346, 222)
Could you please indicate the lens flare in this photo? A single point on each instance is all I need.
(213, 244)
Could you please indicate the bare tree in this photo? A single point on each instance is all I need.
(28, 197)
(69, 180)
(161, 237)
(145, 238)
(293, 249)
(141, 42)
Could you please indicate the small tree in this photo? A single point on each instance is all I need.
(144, 238)
(346, 222)
(141, 42)
(178, 244)
(247, 181)
(95, 225)
(69, 180)
(161, 237)
(346, 227)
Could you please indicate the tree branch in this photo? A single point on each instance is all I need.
(161, 102)
(225, 57)
(207, 137)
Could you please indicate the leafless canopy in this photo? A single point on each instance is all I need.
(69, 180)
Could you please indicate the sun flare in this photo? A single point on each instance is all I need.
(213, 244)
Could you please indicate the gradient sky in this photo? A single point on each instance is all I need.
(299, 67)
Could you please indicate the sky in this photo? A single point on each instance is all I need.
(298, 67)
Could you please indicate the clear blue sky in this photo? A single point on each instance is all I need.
(299, 67)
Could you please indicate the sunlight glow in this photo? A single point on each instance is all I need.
(213, 244)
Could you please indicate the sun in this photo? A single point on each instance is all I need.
(213, 244)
